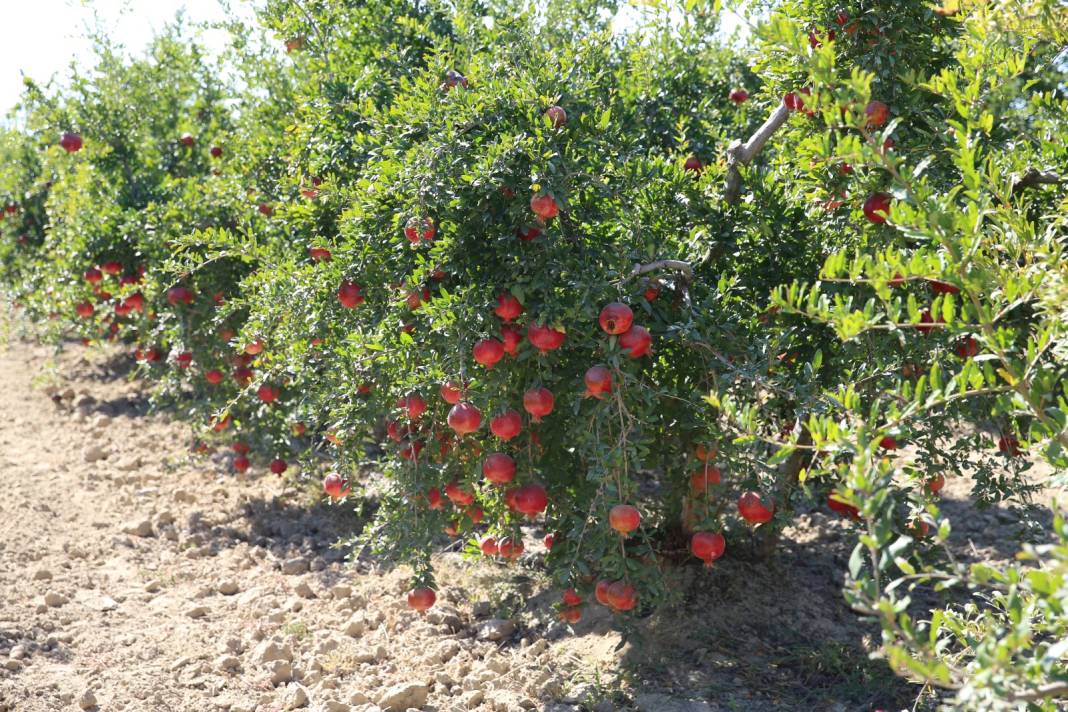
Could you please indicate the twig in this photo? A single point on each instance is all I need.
(677, 265)
(1054, 689)
(739, 153)
(1033, 177)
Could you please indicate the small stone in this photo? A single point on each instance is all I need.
(269, 651)
(18, 652)
(340, 591)
(42, 575)
(227, 663)
(295, 566)
(228, 588)
(197, 612)
(472, 699)
(54, 600)
(184, 496)
(495, 629)
(13, 665)
(94, 453)
(303, 590)
(403, 696)
(101, 421)
(281, 671)
(139, 527)
(294, 697)
(481, 609)
(87, 700)
(356, 625)
(152, 586)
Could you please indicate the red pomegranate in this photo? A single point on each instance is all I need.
(434, 500)
(888, 443)
(320, 254)
(511, 337)
(506, 425)
(1009, 445)
(265, 209)
(600, 591)
(184, 360)
(499, 468)
(488, 546)
(421, 599)
(508, 307)
(220, 424)
(335, 486)
(413, 405)
(549, 541)
(846, 510)
(84, 309)
(417, 229)
(624, 518)
(598, 381)
(707, 546)
(213, 376)
(278, 466)
(475, 514)
(187, 139)
(571, 614)
(616, 318)
(458, 495)
(704, 478)
(752, 510)
(936, 483)
(530, 500)
(876, 113)
(510, 548)
(557, 116)
(636, 342)
(545, 338)
(538, 402)
(528, 233)
(241, 448)
(242, 375)
(93, 275)
(241, 463)
(71, 142)
(877, 207)
(464, 418)
(693, 165)
(216, 152)
(349, 295)
(451, 393)
(268, 393)
(488, 352)
(112, 267)
(622, 596)
(544, 206)
(254, 347)
(738, 96)
(940, 287)
(571, 598)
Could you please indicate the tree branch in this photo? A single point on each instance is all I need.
(1033, 177)
(1052, 690)
(739, 153)
(676, 265)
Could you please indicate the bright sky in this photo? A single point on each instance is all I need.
(42, 36)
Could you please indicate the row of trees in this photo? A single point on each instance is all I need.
(644, 289)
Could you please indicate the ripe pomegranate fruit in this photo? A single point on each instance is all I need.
(598, 381)
(549, 541)
(877, 208)
(506, 425)
(530, 500)
(216, 152)
(320, 254)
(458, 495)
(1009, 445)
(888, 443)
(488, 546)
(176, 295)
(707, 546)
(510, 548)
(545, 338)
(421, 599)
(538, 402)
(694, 165)
(413, 405)
(242, 375)
(254, 347)
(93, 275)
(702, 479)
(220, 424)
(636, 342)
(738, 96)
(624, 518)
(241, 463)
(508, 307)
(84, 309)
(187, 140)
(940, 287)
(544, 205)
(451, 393)
(935, 484)
(349, 295)
(846, 510)
(557, 116)
(434, 500)
(528, 233)
(265, 209)
(571, 598)
(335, 486)
(464, 418)
(71, 142)
(600, 592)
(213, 376)
(268, 393)
(184, 360)
(876, 113)
(112, 267)
(488, 352)
(299, 429)
(278, 466)
(616, 318)
(511, 337)
(499, 468)
(752, 510)
(419, 229)
(571, 614)
(621, 596)
(967, 348)
(475, 514)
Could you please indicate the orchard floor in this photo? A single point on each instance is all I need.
(134, 576)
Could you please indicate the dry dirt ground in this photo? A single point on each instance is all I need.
(134, 576)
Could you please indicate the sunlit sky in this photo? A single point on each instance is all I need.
(42, 37)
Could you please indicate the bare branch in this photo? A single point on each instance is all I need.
(1052, 690)
(676, 265)
(1033, 177)
(739, 153)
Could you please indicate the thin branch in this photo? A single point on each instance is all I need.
(739, 153)
(1033, 177)
(676, 265)
(1054, 689)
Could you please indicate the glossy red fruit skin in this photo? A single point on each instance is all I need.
(216, 152)
(278, 466)
(267, 393)
(488, 546)
(616, 318)
(707, 546)
(213, 376)
(622, 596)
(557, 116)
(624, 518)
(530, 500)
(349, 295)
(451, 393)
(792, 101)
(545, 338)
(703, 479)
(846, 510)
(571, 598)
(241, 463)
(549, 541)
(93, 275)
(334, 486)
(506, 425)
(752, 510)
(538, 402)
(600, 592)
(498, 468)
(71, 142)
(84, 309)
(511, 337)
(888, 443)
(421, 599)
(935, 484)
(876, 113)
(464, 418)
(877, 207)
(508, 307)
(739, 96)
(510, 548)
(598, 381)
(488, 352)
(636, 342)
(458, 495)
(693, 165)
(544, 206)
(413, 405)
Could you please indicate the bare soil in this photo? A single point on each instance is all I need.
(136, 576)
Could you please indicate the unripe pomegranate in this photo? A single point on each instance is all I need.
(876, 113)
(488, 546)
(413, 405)
(421, 599)
(538, 402)
(511, 337)
(752, 510)
(598, 381)
(510, 548)
(464, 418)
(694, 165)
(417, 229)
(636, 342)
(544, 206)
(241, 463)
(458, 495)
(846, 510)
(936, 483)
(84, 309)
(622, 596)
(506, 425)
(545, 338)
(616, 318)
(877, 208)
(707, 546)
(451, 393)
(738, 96)
(704, 478)
(530, 500)
(488, 352)
(349, 295)
(93, 275)
(267, 393)
(213, 376)
(508, 307)
(624, 518)
(278, 466)
(499, 468)
(71, 142)
(557, 116)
